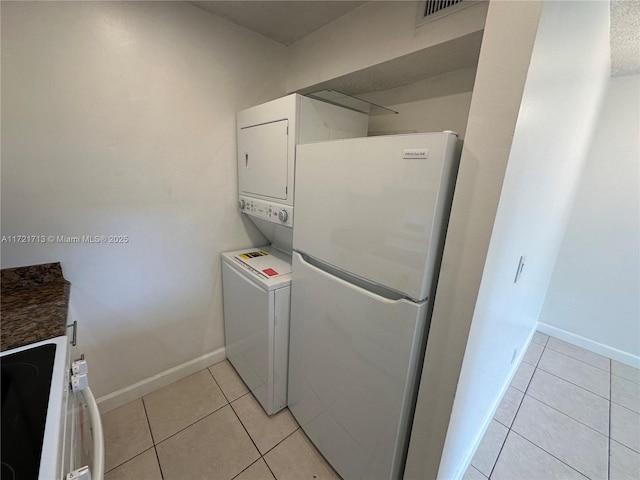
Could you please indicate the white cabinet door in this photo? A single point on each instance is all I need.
(263, 162)
(352, 363)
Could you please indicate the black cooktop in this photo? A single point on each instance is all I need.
(26, 381)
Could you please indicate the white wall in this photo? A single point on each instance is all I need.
(118, 118)
(562, 96)
(431, 105)
(592, 299)
(502, 70)
(372, 34)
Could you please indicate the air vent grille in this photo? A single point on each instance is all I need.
(433, 6)
(433, 10)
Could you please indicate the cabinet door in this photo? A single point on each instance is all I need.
(263, 162)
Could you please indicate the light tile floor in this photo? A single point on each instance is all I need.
(568, 414)
(207, 426)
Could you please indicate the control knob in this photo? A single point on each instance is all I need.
(283, 215)
(241, 204)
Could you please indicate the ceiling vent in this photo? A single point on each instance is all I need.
(430, 10)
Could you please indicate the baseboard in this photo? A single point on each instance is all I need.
(162, 379)
(464, 465)
(596, 347)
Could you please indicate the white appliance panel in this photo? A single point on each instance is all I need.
(256, 320)
(263, 164)
(308, 120)
(352, 370)
(246, 311)
(281, 315)
(376, 207)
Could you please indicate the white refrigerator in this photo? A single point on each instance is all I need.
(371, 215)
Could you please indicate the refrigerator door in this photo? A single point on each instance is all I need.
(352, 368)
(377, 206)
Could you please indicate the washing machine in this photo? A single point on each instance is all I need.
(256, 282)
(256, 294)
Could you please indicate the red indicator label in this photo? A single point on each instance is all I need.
(270, 271)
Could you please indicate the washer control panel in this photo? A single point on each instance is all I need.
(273, 212)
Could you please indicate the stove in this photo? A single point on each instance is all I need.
(51, 428)
(26, 386)
(34, 403)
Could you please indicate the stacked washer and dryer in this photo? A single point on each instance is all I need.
(257, 281)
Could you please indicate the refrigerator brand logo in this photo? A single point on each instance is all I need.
(415, 153)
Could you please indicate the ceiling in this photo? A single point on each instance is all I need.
(625, 37)
(285, 22)
(288, 21)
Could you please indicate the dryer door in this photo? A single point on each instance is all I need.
(263, 162)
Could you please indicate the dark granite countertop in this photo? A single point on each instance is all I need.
(34, 302)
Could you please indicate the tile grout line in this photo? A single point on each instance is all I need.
(609, 402)
(580, 360)
(146, 415)
(297, 428)
(252, 441)
(617, 440)
(217, 384)
(195, 421)
(499, 453)
(128, 460)
(580, 386)
(565, 414)
(623, 406)
(531, 396)
(192, 424)
(261, 454)
(246, 468)
(153, 441)
(514, 417)
(230, 403)
(268, 466)
(245, 429)
(624, 378)
(220, 386)
(552, 455)
(471, 466)
(155, 450)
(626, 408)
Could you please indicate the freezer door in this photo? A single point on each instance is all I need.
(352, 369)
(377, 207)
(263, 162)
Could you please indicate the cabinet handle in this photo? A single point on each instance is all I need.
(74, 336)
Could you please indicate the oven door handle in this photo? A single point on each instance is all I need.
(97, 470)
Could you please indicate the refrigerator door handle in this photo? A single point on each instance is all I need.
(373, 289)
